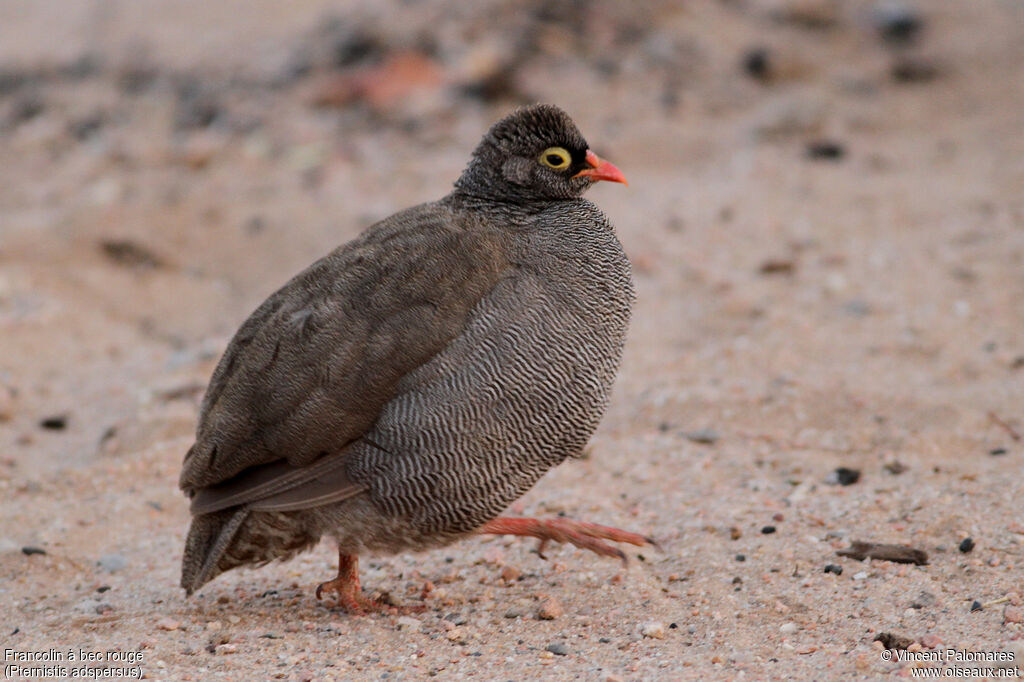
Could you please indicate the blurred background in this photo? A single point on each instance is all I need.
(825, 216)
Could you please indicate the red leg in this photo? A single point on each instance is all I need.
(583, 535)
(349, 594)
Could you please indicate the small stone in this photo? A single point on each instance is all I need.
(409, 623)
(897, 22)
(825, 150)
(703, 436)
(966, 545)
(612, 678)
(741, 557)
(860, 575)
(234, 620)
(514, 613)
(895, 467)
(653, 629)
(768, 530)
(923, 600)
(29, 551)
(510, 574)
(55, 423)
(550, 609)
(558, 649)
(735, 533)
(1013, 614)
(843, 476)
(112, 563)
(834, 568)
(789, 628)
(456, 634)
(996, 452)
(6, 403)
(167, 624)
(975, 606)
(222, 649)
(931, 641)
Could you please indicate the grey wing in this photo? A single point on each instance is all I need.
(308, 373)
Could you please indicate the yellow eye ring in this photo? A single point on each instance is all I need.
(557, 158)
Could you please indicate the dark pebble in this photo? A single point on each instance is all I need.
(768, 530)
(757, 63)
(845, 476)
(975, 606)
(558, 649)
(834, 568)
(604, 640)
(103, 588)
(825, 150)
(966, 545)
(55, 423)
(29, 551)
(672, 626)
(898, 23)
(995, 452)
(893, 641)
(741, 557)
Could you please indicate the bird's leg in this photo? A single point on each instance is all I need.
(583, 535)
(349, 594)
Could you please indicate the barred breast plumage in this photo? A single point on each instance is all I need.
(404, 390)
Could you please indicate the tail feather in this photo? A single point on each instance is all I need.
(209, 537)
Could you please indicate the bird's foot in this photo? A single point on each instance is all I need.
(584, 535)
(349, 594)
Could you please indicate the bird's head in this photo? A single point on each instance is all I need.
(536, 153)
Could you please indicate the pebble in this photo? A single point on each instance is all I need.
(843, 476)
(703, 436)
(558, 649)
(931, 641)
(55, 423)
(1013, 614)
(6, 403)
(767, 530)
(834, 568)
(167, 624)
(966, 545)
(550, 609)
(860, 575)
(456, 634)
(789, 628)
(653, 629)
(226, 649)
(409, 623)
(29, 551)
(510, 574)
(897, 22)
(112, 562)
(975, 606)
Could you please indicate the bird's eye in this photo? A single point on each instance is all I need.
(556, 157)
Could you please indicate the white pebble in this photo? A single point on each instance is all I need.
(653, 629)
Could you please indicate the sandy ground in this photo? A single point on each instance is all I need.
(829, 254)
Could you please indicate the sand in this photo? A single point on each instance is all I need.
(829, 256)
